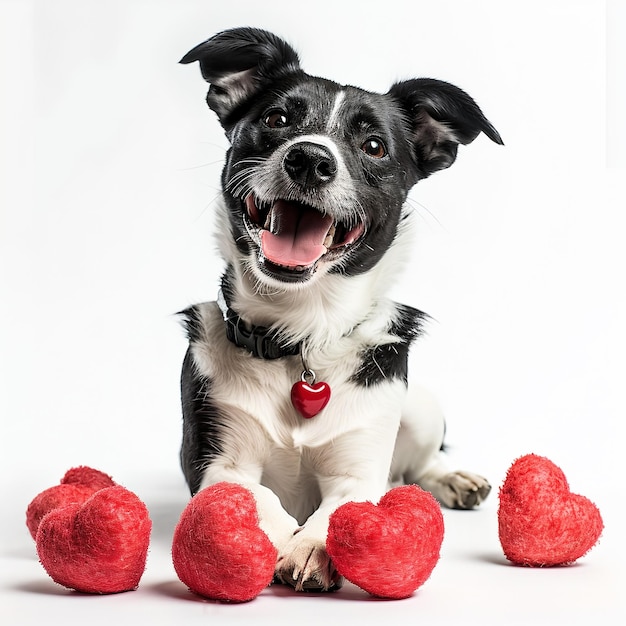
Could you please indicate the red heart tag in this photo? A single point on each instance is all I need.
(99, 546)
(218, 549)
(391, 549)
(540, 521)
(308, 399)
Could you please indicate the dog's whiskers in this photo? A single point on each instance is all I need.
(360, 211)
(202, 165)
(422, 208)
(240, 184)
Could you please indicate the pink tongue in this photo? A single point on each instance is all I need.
(297, 235)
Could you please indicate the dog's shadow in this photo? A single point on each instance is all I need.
(348, 593)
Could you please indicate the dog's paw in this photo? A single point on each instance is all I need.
(463, 490)
(305, 565)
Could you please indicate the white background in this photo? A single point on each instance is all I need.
(110, 164)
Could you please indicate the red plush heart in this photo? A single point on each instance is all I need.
(78, 484)
(87, 476)
(540, 522)
(309, 400)
(55, 497)
(99, 546)
(218, 550)
(391, 549)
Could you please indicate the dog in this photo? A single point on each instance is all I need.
(295, 381)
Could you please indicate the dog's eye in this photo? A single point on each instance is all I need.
(375, 148)
(276, 119)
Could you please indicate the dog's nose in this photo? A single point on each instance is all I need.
(310, 164)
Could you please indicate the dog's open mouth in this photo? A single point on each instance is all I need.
(295, 236)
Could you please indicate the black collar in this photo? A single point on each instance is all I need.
(260, 341)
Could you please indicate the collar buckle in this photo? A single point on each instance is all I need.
(260, 341)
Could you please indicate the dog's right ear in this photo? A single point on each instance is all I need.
(441, 116)
(237, 63)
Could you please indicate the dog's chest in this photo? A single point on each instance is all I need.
(250, 393)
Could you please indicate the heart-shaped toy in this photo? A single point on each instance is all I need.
(78, 484)
(540, 521)
(87, 476)
(309, 399)
(99, 546)
(389, 549)
(218, 550)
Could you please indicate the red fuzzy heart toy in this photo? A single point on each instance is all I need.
(389, 550)
(92, 535)
(540, 522)
(76, 486)
(218, 550)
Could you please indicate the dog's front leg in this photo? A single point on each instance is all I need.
(352, 468)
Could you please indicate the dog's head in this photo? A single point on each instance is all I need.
(318, 173)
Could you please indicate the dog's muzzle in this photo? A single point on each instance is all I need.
(300, 211)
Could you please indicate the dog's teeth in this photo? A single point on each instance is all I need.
(328, 242)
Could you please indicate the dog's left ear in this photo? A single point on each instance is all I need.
(237, 63)
(441, 117)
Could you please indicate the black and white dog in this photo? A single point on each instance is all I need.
(295, 381)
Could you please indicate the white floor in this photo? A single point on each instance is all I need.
(109, 164)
